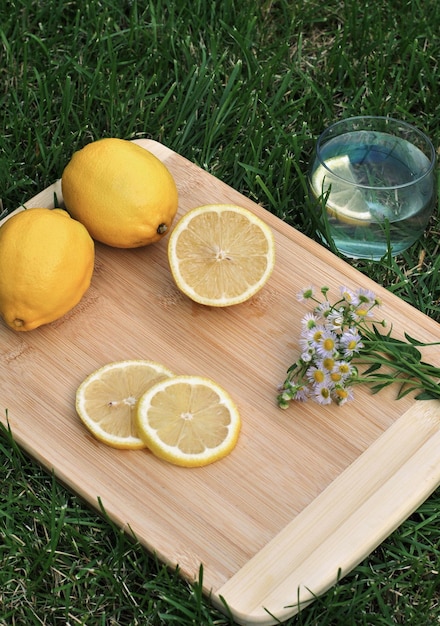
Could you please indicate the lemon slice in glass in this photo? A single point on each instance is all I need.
(188, 420)
(106, 400)
(345, 201)
(221, 255)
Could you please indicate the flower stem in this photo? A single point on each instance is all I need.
(339, 338)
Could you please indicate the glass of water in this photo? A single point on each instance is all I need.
(375, 176)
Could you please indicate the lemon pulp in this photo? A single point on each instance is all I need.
(221, 255)
(188, 420)
(106, 400)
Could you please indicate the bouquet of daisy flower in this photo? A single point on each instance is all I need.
(336, 339)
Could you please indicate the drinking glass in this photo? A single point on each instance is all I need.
(375, 177)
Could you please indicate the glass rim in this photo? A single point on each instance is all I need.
(384, 118)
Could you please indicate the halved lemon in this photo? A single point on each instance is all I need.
(221, 254)
(188, 420)
(106, 400)
(345, 200)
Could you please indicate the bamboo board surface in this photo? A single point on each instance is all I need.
(306, 494)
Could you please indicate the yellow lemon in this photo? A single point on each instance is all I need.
(46, 265)
(124, 195)
(221, 255)
(345, 201)
(188, 420)
(106, 400)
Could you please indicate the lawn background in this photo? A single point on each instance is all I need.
(243, 89)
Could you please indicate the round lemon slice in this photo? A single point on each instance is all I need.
(188, 420)
(106, 400)
(221, 255)
(345, 200)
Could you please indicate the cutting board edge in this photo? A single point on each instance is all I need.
(419, 428)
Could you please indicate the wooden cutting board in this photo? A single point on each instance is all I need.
(306, 494)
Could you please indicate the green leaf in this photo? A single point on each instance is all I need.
(376, 388)
(373, 368)
(417, 342)
(427, 395)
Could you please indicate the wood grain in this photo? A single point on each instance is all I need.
(307, 492)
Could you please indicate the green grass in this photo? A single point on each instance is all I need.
(243, 89)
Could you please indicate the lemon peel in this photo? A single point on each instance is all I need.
(124, 195)
(46, 266)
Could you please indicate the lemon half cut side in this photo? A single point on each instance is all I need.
(221, 254)
(188, 420)
(106, 400)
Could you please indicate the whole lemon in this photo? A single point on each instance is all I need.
(46, 265)
(124, 195)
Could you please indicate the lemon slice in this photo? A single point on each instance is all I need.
(106, 400)
(188, 421)
(221, 255)
(345, 201)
